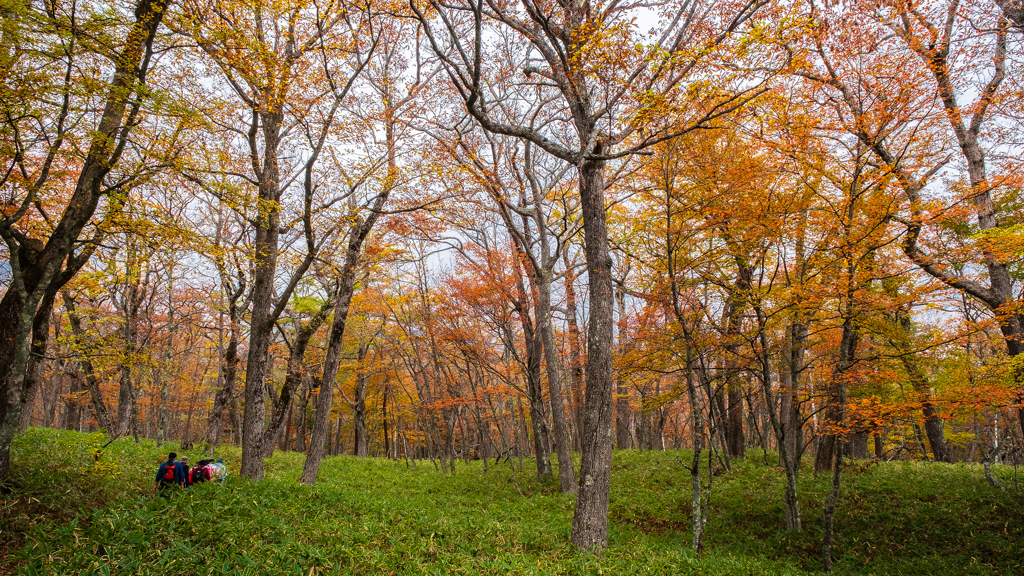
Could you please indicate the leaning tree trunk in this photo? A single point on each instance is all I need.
(294, 377)
(346, 287)
(37, 358)
(92, 385)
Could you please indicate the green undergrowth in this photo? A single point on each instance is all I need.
(66, 513)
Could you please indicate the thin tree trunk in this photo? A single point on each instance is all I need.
(575, 359)
(92, 384)
(623, 414)
(346, 288)
(566, 474)
(834, 410)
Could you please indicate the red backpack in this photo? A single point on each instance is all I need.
(198, 474)
(169, 472)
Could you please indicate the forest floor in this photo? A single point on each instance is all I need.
(69, 514)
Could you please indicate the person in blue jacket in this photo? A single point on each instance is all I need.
(168, 475)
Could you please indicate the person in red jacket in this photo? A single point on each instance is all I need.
(201, 473)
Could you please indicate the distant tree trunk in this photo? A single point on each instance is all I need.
(734, 388)
(789, 376)
(360, 442)
(933, 426)
(294, 376)
(518, 429)
(53, 395)
(859, 444)
(299, 445)
(575, 360)
(73, 404)
(566, 474)
(834, 410)
(130, 305)
(384, 421)
(229, 361)
(698, 506)
(286, 426)
(92, 384)
(623, 414)
(660, 419)
(165, 370)
(535, 393)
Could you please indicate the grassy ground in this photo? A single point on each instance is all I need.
(70, 515)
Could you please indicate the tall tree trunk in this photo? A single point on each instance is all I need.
(360, 442)
(262, 321)
(590, 518)
(535, 393)
(734, 387)
(384, 421)
(165, 370)
(130, 306)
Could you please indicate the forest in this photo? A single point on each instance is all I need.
(527, 232)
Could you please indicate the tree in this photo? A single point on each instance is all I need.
(612, 88)
(908, 106)
(40, 267)
(520, 181)
(393, 104)
(271, 56)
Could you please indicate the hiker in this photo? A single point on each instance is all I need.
(183, 465)
(199, 474)
(168, 475)
(218, 471)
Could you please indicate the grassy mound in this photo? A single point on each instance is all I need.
(66, 513)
